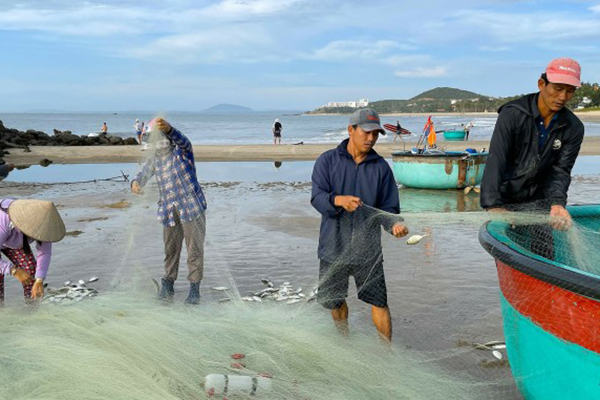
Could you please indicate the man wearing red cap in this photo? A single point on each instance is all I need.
(534, 146)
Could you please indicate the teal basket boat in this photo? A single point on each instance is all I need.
(454, 135)
(550, 309)
(438, 169)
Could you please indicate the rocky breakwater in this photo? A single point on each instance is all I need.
(13, 138)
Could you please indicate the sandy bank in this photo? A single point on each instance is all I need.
(307, 152)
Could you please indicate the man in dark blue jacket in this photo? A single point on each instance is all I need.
(354, 189)
(533, 149)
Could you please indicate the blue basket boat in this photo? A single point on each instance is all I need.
(550, 310)
(454, 135)
(434, 169)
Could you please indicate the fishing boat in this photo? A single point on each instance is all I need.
(437, 169)
(550, 310)
(454, 135)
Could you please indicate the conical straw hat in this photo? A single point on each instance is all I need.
(37, 219)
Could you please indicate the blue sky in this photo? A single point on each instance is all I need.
(280, 54)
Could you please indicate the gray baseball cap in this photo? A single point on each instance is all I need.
(367, 119)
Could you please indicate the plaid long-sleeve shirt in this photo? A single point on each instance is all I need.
(177, 182)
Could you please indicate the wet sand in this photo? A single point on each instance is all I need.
(306, 152)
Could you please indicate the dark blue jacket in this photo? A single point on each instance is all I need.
(517, 171)
(353, 238)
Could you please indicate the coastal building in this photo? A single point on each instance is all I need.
(353, 104)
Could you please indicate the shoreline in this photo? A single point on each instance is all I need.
(585, 116)
(216, 153)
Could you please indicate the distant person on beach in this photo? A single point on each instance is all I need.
(104, 128)
(534, 146)
(139, 129)
(277, 128)
(467, 129)
(348, 183)
(398, 130)
(181, 205)
(22, 224)
(5, 169)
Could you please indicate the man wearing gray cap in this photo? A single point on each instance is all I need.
(354, 189)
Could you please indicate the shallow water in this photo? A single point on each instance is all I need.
(442, 292)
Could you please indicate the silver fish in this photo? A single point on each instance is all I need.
(293, 301)
(93, 279)
(81, 282)
(497, 354)
(156, 285)
(414, 239)
(220, 288)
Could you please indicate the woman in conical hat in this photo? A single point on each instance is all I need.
(23, 222)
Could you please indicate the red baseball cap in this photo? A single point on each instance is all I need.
(564, 70)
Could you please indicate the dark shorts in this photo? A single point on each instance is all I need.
(333, 284)
(277, 134)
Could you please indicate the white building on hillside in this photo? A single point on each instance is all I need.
(352, 104)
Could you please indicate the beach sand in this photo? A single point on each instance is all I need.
(306, 152)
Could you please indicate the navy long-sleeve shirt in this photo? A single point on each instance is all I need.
(353, 238)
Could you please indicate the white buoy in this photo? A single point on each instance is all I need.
(216, 384)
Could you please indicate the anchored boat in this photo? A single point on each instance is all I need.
(550, 309)
(455, 135)
(436, 169)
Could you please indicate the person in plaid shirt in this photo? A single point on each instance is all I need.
(181, 205)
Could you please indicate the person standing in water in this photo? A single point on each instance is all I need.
(181, 205)
(277, 128)
(350, 184)
(25, 222)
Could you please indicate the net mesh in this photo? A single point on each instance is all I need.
(442, 292)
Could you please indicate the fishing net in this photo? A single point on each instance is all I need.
(259, 317)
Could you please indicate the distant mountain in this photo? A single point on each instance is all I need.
(440, 99)
(446, 93)
(229, 108)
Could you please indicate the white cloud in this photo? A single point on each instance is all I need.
(595, 9)
(250, 7)
(538, 27)
(341, 50)
(86, 20)
(422, 72)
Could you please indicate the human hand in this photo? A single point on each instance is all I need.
(135, 187)
(348, 203)
(23, 276)
(162, 125)
(37, 291)
(399, 230)
(560, 219)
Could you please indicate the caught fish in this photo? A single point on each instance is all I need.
(256, 298)
(220, 288)
(93, 279)
(81, 282)
(68, 283)
(468, 189)
(156, 285)
(247, 298)
(497, 354)
(415, 239)
(225, 300)
(267, 282)
(293, 301)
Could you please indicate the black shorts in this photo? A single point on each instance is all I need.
(333, 284)
(277, 134)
